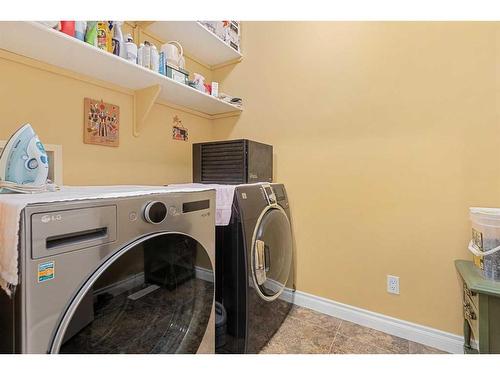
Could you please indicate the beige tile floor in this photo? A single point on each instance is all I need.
(308, 332)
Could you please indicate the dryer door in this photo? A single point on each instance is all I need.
(154, 296)
(271, 256)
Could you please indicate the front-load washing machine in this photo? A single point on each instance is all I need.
(255, 267)
(124, 275)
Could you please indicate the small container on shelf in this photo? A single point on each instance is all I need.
(162, 68)
(228, 31)
(177, 74)
(234, 35)
(214, 89)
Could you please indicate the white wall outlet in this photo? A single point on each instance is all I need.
(392, 284)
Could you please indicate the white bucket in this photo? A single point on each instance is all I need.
(485, 243)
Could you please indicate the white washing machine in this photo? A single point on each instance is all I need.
(125, 275)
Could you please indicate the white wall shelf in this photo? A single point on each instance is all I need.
(197, 41)
(33, 40)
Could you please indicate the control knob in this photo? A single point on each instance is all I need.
(155, 212)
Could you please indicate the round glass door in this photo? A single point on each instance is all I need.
(272, 253)
(154, 298)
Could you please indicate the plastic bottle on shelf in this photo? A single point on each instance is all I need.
(109, 36)
(102, 35)
(80, 29)
(146, 57)
(118, 41)
(140, 55)
(155, 59)
(91, 33)
(162, 69)
(130, 49)
(68, 27)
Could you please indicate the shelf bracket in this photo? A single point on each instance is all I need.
(143, 102)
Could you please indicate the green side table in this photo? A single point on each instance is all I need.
(481, 307)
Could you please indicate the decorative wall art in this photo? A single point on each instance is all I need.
(102, 123)
(179, 132)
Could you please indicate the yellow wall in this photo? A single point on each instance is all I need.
(384, 134)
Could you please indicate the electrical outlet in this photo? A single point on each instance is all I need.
(392, 284)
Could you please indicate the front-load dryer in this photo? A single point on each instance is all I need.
(255, 267)
(123, 275)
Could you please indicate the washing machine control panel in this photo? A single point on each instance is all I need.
(155, 212)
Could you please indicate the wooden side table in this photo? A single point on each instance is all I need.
(481, 308)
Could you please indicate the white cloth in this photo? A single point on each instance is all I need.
(223, 202)
(11, 206)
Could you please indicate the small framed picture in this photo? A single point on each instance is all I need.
(101, 123)
(179, 132)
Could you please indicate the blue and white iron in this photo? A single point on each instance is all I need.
(24, 165)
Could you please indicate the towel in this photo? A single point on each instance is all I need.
(11, 206)
(223, 202)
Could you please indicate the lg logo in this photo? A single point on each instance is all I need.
(48, 218)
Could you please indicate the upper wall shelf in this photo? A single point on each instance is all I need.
(200, 43)
(38, 42)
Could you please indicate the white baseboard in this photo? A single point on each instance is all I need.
(442, 340)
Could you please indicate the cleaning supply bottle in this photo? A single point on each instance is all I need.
(80, 29)
(130, 49)
(91, 33)
(146, 58)
(199, 82)
(119, 43)
(155, 59)
(103, 35)
(117, 40)
(162, 69)
(140, 55)
(68, 27)
(109, 40)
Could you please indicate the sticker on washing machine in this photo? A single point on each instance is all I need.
(46, 271)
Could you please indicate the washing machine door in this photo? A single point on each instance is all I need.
(153, 296)
(271, 256)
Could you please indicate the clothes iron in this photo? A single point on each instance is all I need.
(24, 165)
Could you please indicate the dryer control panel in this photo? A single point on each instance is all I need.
(269, 193)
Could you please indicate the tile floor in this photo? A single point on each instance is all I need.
(308, 332)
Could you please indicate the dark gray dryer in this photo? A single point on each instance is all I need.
(254, 262)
